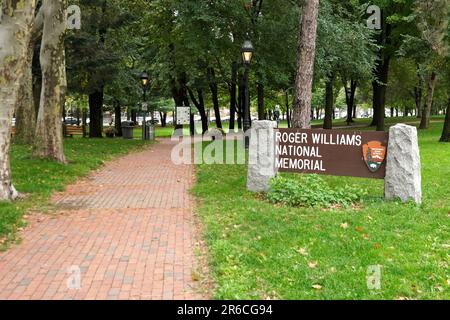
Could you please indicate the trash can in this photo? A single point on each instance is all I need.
(150, 131)
(127, 129)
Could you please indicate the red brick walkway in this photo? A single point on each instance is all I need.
(126, 232)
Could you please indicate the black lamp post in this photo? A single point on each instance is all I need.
(145, 83)
(247, 54)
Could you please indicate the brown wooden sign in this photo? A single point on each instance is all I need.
(332, 152)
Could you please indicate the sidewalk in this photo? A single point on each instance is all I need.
(126, 232)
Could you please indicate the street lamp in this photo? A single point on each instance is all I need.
(145, 83)
(247, 51)
(145, 80)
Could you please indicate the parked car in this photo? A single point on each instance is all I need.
(71, 121)
(155, 121)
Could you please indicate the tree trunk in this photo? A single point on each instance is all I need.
(27, 103)
(350, 99)
(288, 115)
(163, 116)
(200, 105)
(215, 97)
(118, 118)
(25, 109)
(48, 141)
(15, 28)
(241, 101)
(418, 95)
(95, 114)
(382, 75)
(329, 102)
(233, 102)
(446, 131)
(260, 89)
(426, 112)
(379, 95)
(84, 122)
(305, 65)
(37, 82)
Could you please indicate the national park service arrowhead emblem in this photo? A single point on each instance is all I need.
(374, 154)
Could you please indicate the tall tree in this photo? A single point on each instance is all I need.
(48, 142)
(16, 19)
(433, 17)
(394, 26)
(25, 109)
(305, 71)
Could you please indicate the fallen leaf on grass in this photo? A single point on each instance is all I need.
(302, 251)
(344, 225)
(439, 288)
(312, 264)
(317, 286)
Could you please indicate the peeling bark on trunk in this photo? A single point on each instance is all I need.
(15, 28)
(27, 105)
(426, 112)
(25, 109)
(305, 69)
(48, 143)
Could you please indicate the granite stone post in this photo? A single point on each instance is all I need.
(261, 159)
(403, 170)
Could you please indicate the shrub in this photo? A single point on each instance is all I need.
(312, 191)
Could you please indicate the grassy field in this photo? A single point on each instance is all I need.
(36, 179)
(259, 250)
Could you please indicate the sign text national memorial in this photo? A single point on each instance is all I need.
(331, 152)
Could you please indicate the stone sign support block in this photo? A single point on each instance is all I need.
(261, 159)
(403, 170)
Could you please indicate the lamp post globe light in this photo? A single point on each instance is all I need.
(145, 83)
(247, 51)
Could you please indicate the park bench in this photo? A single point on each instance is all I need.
(70, 131)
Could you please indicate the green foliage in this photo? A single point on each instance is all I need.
(312, 191)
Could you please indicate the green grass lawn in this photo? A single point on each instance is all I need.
(259, 250)
(38, 179)
(160, 132)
